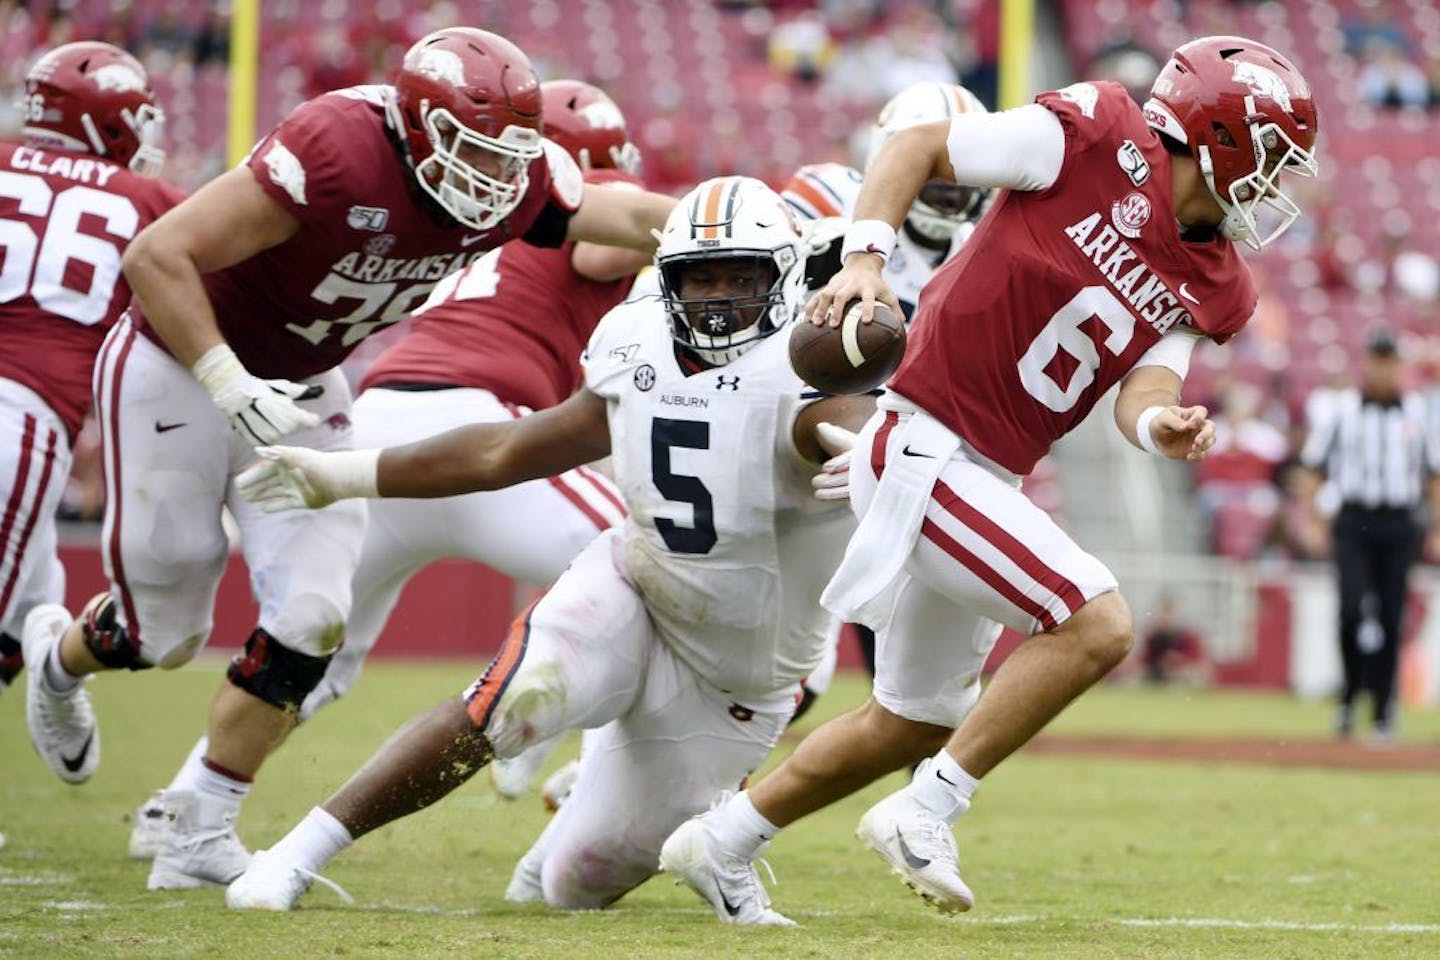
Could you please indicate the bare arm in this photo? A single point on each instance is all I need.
(620, 218)
(1179, 433)
(603, 264)
(847, 412)
(228, 220)
(908, 159)
(488, 456)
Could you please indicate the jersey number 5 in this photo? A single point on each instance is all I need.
(1064, 332)
(39, 265)
(693, 435)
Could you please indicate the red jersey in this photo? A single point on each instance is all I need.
(371, 245)
(513, 323)
(65, 220)
(1060, 291)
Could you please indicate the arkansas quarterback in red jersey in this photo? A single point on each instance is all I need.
(1109, 253)
(73, 193)
(247, 295)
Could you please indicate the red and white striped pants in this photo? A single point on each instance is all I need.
(34, 465)
(986, 556)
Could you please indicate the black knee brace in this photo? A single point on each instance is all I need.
(106, 638)
(276, 674)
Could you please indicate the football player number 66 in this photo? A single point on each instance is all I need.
(38, 266)
(1064, 332)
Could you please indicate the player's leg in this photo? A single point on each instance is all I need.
(162, 542)
(300, 566)
(34, 465)
(669, 758)
(574, 660)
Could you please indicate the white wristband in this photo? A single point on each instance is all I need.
(218, 368)
(869, 236)
(1142, 430)
(354, 473)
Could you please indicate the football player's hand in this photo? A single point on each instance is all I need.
(859, 279)
(833, 480)
(261, 411)
(295, 478)
(1183, 433)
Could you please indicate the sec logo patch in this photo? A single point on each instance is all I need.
(1130, 214)
(644, 377)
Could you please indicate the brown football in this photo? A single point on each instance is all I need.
(852, 358)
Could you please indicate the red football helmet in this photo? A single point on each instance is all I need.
(467, 105)
(1247, 115)
(94, 98)
(587, 123)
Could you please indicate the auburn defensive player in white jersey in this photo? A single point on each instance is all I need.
(74, 192)
(1111, 251)
(247, 295)
(684, 634)
(496, 340)
(939, 220)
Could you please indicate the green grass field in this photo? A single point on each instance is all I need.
(1069, 857)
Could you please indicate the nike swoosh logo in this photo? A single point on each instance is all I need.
(729, 907)
(167, 427)
(79, 761)
(946, 779)
(473, 239)
(911, 453)
(914, 862)
(1185, 292)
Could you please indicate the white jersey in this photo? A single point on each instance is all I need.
(830, 190)
(723, 540)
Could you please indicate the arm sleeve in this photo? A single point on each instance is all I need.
(1020, 149)
(1172, 351)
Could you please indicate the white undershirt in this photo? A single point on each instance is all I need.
(1020, 149)
(1172, 351)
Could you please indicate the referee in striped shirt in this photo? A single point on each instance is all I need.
(1375, 446)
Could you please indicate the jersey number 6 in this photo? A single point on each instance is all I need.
(1064, 332)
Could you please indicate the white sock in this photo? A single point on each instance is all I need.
(57, 678)
(220, 794)
(740, 828)
(943, 787)
(188, 776)
(315, 841)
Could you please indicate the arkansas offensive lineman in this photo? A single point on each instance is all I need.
(248, 295)
(73, 195)
(1110, 253)
(683, 635)
(494, 341)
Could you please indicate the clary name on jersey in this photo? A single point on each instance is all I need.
(80, 169)
(368, 268)
(1152, 301)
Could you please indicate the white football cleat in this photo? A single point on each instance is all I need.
(559, 785)
(62, 725)
(199, 847)
(271, 882)
(525, 884)
(151, 826)
(730, 884)
(920, 848)
(512, 777)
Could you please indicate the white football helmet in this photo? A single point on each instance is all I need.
(721, 222)
(942, 206)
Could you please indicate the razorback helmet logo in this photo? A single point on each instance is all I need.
(584, 121)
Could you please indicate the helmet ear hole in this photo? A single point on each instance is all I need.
(1222, 135)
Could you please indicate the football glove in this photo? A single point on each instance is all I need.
(833, 480)
(261, 411)
(297, 478)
